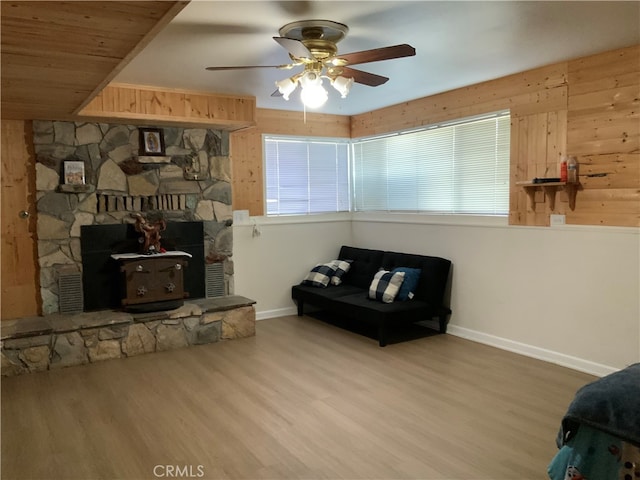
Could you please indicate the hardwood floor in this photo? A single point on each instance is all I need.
(302, 399)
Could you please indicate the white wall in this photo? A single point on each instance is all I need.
(567, 294)
(268, 265)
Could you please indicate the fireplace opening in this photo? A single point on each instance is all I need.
(101, 276)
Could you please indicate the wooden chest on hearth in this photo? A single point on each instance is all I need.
(153, 278)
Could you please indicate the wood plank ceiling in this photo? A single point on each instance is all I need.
(56, 56)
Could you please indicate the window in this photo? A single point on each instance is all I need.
(306, 176)
(459, 168)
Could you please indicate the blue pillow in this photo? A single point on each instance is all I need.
(410, 284)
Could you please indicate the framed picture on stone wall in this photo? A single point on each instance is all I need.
(74, 173)
(151, 141)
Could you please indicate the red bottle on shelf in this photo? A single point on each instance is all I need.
(563, 170)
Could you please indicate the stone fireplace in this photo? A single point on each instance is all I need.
(85, 216)
(188, 186)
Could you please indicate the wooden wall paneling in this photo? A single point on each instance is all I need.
(541, 132)
(163, 19)
(604, 134)
(246, 171)
(592, 123)
(587, 107)
(617, 141)
(538, 90)
(538, 161)
(556, 151)
(20, 292)
(607, 206)
(505, 92)
(157, 103)
(198, 106)
(246, 149)
(537, 145)
(611, 219)
(540, 102)
(148, 105)
(527, 164)
(615, 98)
(604, 71)
(57, 55)
(626, 79)
(537, 164)
(611, 200)
(518, 172)
(556, 140)
(620, 170)
(282, 122)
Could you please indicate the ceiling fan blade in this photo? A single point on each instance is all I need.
(244, 67)
(295, 47)
(378, 54)
(365, 78)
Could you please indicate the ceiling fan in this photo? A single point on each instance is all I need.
(312, 45)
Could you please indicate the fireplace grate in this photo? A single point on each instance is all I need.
(70, 298)
(214, 279)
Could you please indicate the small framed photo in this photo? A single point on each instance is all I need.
(151, 141)
(74, 173)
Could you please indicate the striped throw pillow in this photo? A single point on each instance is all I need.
(320, 275)
(342, 267)
(385, 286)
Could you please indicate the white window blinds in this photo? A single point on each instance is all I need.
(460, 168)
(306, 176)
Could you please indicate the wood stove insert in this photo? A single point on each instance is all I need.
(101, 276)
(152, 282)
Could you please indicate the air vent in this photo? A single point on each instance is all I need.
(214, 279)
(70, 291)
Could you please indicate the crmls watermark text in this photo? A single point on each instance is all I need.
(178, 471)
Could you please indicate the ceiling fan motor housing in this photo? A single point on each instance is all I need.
(319, 36)
(315, 29)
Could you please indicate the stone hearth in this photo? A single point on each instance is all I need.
(46, 343)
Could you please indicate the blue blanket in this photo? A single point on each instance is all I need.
(610, 404)
(591, 454)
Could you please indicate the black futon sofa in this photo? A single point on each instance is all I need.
(350, 298)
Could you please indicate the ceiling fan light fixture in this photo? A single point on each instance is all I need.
(313, 94)
(286, 86)
(342, 85)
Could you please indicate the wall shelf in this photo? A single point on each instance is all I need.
(75, 188)
(550, 189)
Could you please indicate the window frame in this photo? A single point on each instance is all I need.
(430, 127)
(351, 174)
(306, 139)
